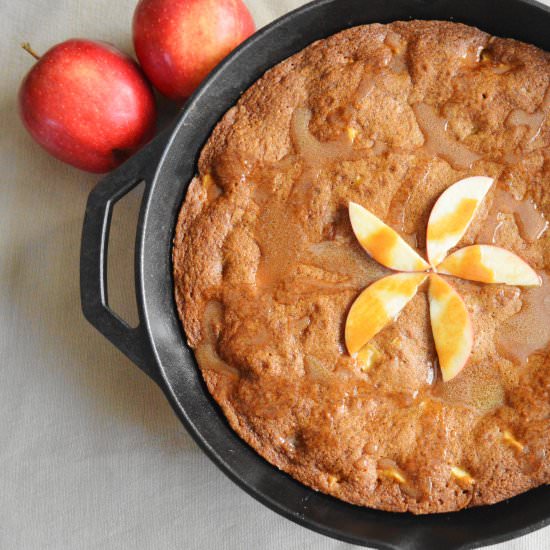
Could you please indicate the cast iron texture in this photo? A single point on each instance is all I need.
(158, 344)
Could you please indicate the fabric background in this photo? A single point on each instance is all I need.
(91, 455)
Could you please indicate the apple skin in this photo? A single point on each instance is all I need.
(88, 104)
(178, 42)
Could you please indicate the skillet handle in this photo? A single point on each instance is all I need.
(132, 342)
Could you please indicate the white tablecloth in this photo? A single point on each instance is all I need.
(91, 455)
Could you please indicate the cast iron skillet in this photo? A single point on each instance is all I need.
(158, 345)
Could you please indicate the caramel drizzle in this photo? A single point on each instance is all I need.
(206, 352)
(398, 61)
(533, 122)
(312, 150)
(528, 330)
(414, 179)
(438, 141)
(530, 221)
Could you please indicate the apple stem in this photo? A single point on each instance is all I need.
(27, 47)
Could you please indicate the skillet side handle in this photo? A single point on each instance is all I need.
(93, 255)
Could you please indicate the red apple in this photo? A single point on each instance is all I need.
(178, 42)
(88, 105)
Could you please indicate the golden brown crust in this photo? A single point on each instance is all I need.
(297, 398)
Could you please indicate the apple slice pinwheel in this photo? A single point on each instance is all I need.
(382, 242)
(377, 306)
(382, 301)
(489, 264)
(452, 214)
(451, 327)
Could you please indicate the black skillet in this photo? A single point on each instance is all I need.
(158, 345)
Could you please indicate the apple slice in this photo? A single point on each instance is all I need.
(382, 242)
(377, 306)
(451, 327)
(489, 264)
(452, 214)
